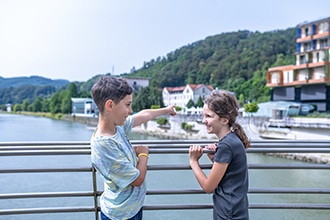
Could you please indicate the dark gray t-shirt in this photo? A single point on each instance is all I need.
(230, 197)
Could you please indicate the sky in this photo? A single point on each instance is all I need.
(78, 39)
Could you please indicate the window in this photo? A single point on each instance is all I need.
(306, 32)
(302, 59)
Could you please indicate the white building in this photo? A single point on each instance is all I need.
(180, 96)
(137, 82)
(8, 107)
(84, 107)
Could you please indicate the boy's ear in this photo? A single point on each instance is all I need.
(109, 104)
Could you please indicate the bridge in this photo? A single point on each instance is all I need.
(50, 151)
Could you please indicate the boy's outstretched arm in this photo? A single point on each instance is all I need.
(148, 114)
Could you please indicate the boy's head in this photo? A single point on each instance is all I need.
(109, 87)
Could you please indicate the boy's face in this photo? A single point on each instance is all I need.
(122, 110)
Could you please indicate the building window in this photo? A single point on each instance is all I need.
(306, 32)
(302, 59)
(323, 43)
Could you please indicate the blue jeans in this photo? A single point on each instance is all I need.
(138, 216)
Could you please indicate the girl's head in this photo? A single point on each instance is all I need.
(225, 105)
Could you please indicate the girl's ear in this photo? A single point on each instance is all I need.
(224, 121)
(108, 105)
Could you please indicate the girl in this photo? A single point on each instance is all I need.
(228, 178)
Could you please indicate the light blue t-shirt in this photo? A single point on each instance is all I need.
(115, 159)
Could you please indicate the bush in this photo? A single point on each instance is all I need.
(162, 121)
(186, 126)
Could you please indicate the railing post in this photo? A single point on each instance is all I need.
(95, 193)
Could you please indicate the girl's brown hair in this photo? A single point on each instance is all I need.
(225, 105)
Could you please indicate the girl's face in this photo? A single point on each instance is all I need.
(122, 110)
(211, 120)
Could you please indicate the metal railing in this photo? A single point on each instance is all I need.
(40, 149)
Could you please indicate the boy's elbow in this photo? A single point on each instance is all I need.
(138, 182)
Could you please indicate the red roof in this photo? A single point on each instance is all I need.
(192, 86)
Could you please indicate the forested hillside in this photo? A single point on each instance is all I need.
(17, 89)
(236, 61)
(31, 81)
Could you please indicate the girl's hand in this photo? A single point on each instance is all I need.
(195, 152)
(211, 147)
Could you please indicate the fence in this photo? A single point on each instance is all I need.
(45, 149)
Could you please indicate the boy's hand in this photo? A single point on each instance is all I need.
(141, 149)
(172, 110)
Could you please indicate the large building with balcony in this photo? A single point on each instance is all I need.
(308, 80)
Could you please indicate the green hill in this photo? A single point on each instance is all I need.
(32, 81)
(236, 61)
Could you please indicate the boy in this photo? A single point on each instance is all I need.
(122, 166)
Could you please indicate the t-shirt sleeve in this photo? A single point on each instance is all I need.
(114, 166)
(223, 153)
(128, 124)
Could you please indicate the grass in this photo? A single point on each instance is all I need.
(41, 114)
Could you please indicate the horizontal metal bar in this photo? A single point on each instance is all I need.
(166, 167)
(290, 190)
(289, 206)
(165, 207)
(290, 166)
(288, 150)
(251, 206)
(46, 170)
(44, 152)
(175, 143)
(251, 190)
(45, 195)
(60, 152)
(177, 206)
(164, 192)
(46, 210)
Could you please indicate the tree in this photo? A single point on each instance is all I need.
(73, 90)
(17, 108)
(66, 103)
(37, 105)
(251, 107)
(200, 102)
(25, 105)
(55, 104)
(147, 97)
(190, 103)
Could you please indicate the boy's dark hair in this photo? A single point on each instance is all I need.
(110, 87)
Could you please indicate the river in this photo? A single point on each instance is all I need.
(28, 128)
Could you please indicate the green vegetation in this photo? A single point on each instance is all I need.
(162, 121)
(186, 126)
(251, 107)
(235, 61)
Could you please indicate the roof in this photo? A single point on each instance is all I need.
(307, 23)
(80, 99)
(192, 86)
